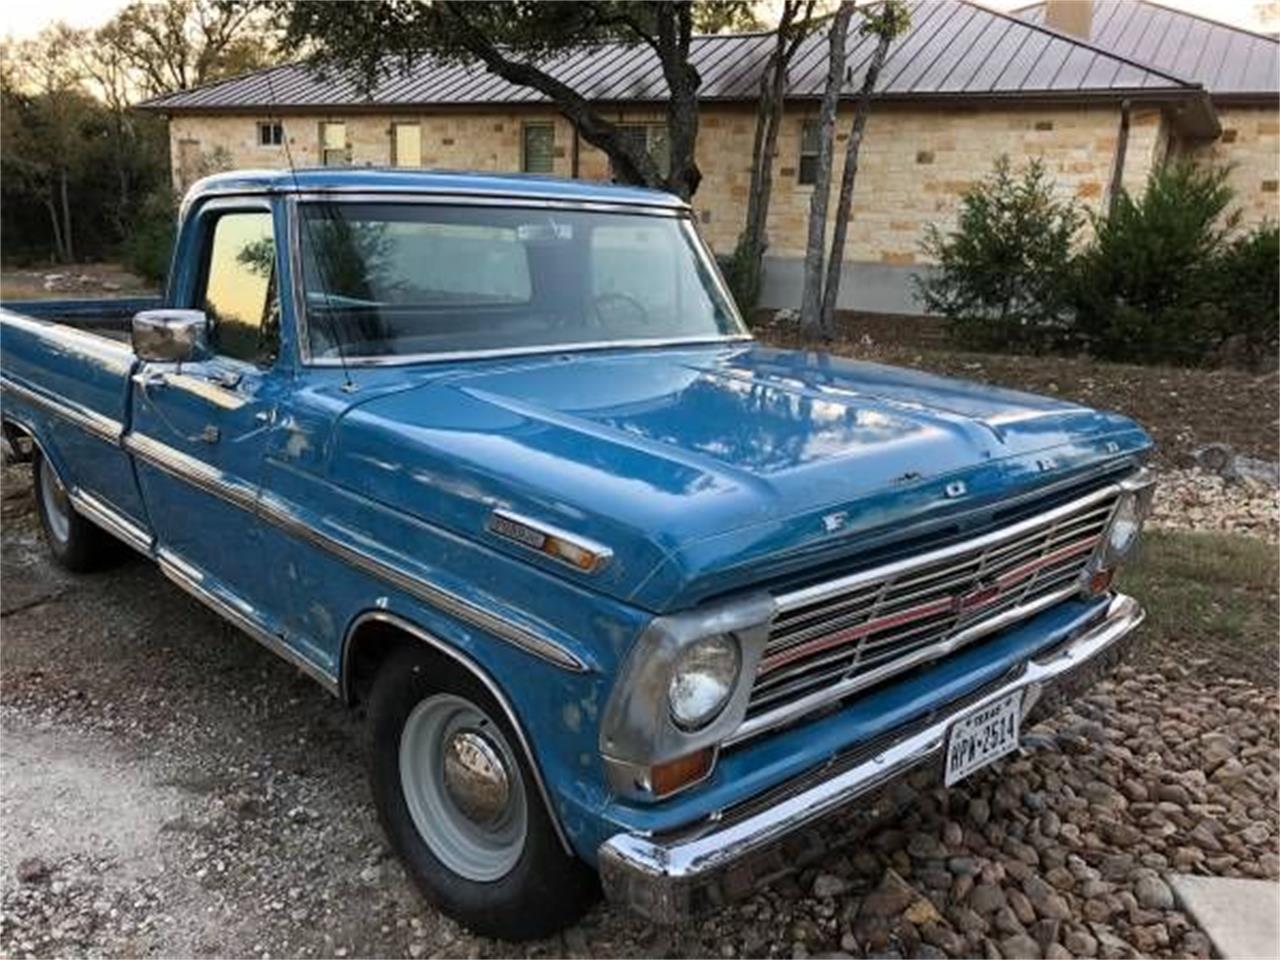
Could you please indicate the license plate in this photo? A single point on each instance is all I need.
(983, 736)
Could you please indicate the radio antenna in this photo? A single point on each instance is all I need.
(348, 384)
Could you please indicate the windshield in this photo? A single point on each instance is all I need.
(400, 279)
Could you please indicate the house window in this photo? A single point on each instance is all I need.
(652, 138)
(810, 138)
(406, 145)
(270, 133)
(333, 145)
(538, 149)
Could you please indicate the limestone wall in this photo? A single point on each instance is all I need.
(916, 162)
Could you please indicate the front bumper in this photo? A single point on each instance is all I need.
(670, 876)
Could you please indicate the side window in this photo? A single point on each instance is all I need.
(333, 144)
(810, 137)
(406, 145)
(539, 148)
(240, 294)
(270, 133)
(650, 138)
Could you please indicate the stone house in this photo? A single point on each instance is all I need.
(1103, 93)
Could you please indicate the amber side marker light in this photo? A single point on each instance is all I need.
(566, 548)
(666, 778)
(1100, 581)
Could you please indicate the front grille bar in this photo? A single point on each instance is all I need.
(832, 639)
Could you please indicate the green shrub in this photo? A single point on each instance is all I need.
(1148, 286)
(1003, 275)
(149, 247)
(1248, 278)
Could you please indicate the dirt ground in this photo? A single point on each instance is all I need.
(74, 280)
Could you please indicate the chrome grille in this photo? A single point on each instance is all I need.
(833, 638)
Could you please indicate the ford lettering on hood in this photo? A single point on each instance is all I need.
(703, 468)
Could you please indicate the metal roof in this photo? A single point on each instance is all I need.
(1225, 60)
(954, 49)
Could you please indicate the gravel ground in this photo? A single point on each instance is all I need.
(169, 788)
(1194, 499)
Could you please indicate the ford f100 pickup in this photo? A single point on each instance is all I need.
(629, 599)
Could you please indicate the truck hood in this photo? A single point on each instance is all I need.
(706, 469)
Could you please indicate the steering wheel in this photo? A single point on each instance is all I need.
(628, 304)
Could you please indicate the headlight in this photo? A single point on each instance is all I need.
(703, 680)
(1124, 528)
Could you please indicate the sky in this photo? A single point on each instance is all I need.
(20, 19)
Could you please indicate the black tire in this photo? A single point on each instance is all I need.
(546, 890)
(76, 543)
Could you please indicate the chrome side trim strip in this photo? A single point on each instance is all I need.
(112, 520)
(191, 580)
(823, 695)
(215, 482)
(822, 591)
(196, 472)
(472, 667)
(660, 875)
(102, 427)
(279, 514)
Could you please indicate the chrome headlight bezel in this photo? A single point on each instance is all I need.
(1127, 519)
(638, 729)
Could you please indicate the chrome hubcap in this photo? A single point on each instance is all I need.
(476, 777)
(57, 506)
(463, 788)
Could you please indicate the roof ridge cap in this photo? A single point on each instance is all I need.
(1210, 20)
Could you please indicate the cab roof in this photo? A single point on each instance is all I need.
(376, 180)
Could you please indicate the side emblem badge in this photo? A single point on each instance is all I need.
(835, 521)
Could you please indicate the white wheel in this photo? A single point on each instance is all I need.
(57, 505)
(463, 788)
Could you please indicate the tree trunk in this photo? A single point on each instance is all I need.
(1117, 167)
(811, 299)
(845, 204)
(59, 254)
(675, 33)
(68, 246)
(753, 241)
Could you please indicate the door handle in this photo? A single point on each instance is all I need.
(151, 380)
(229, 379)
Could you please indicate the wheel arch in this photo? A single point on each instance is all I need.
(15, 428)
(376, 634)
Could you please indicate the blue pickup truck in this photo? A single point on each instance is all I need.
(629, 599)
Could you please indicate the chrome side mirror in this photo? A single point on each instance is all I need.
(170, 336)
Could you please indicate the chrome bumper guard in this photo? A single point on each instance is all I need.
(679, 874)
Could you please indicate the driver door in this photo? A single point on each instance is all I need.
(199, 430)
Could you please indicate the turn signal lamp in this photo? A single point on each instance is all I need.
(673, 775)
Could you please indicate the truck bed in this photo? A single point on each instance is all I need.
(107, 317)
